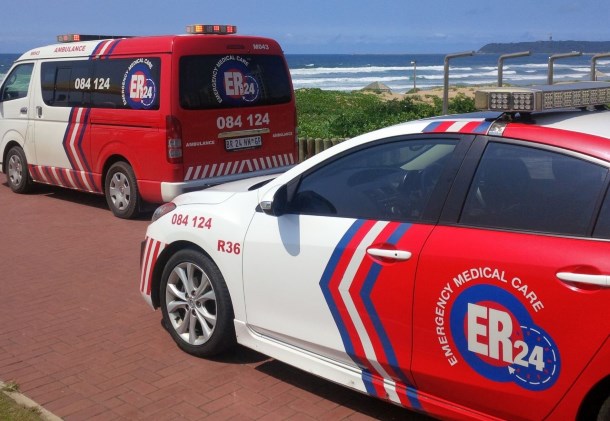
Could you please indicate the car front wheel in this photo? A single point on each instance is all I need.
(196, 305)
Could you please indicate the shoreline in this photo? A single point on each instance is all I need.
(468, 91)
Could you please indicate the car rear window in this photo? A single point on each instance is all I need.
(524, 188)
(226, 81)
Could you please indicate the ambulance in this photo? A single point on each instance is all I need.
(143, 119)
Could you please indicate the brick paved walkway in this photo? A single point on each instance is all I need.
(78, 339)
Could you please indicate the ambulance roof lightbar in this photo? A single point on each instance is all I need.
(81, 37)
(543, 97)
(211, 29)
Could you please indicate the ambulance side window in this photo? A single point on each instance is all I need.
(524, 188)
(17, 83)
(392, 181)
(132, 83)
(64, 83)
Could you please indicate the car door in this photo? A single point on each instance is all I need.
(15, 107)
(334, 275)
(507, 313)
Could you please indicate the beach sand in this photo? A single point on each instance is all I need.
(426, 94)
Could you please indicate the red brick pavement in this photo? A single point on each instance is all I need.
(78, 339)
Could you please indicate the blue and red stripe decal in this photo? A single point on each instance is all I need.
(104, 49)
(73, 143)
(64, 177)
(458, 126)
(348, 283)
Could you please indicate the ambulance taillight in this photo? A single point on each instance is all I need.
(211, 29)
(173, 130)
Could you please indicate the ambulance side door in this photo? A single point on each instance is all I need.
(61, 120)
(498, 324)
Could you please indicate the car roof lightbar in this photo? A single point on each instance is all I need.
(211, 29)
(82, 37)
(543, 97)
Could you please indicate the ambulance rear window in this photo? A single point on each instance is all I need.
(226, 81)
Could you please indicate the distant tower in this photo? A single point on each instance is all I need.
(550, 37)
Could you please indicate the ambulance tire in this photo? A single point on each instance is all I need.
(121, 191)
(200, 321)
(17, 174)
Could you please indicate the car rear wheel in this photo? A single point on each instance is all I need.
(196, 305)
(121, 190)
(18, 176)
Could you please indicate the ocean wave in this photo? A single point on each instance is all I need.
(346, 70)
(312, 71)
(465, 75)
(339, 80)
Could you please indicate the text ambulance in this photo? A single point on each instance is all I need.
(144, 119)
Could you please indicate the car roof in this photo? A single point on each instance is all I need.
(595, 123)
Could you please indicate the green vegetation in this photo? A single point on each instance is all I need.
(328, 114)
(11, 410)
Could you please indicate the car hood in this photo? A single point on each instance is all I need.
(221, 192)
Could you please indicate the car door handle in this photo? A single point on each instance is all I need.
(23, 110)
(390, 254)
(583, 278)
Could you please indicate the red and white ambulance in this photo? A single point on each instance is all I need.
(144, 119)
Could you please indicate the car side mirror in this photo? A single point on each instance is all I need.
(276, 206)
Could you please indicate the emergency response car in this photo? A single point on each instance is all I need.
(457, 266)
(144, 119)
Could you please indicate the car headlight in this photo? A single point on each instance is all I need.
(162, 210)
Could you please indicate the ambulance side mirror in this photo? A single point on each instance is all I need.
(275, 204)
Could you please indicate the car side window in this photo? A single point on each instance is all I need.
(392, 181)
(524, 188)
(17, 82)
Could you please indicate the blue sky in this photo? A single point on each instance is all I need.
(317, 26)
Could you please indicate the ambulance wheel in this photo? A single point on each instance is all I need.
(196, 305)
(121, 190)
(17, 173)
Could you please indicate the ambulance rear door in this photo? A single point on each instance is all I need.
(236, 109)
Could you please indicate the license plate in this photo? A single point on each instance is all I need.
(243, 143)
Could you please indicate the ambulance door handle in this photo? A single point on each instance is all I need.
(390, 254)
(583, 278)
(23, 110)
(39, 111)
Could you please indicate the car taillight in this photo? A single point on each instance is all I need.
(173, 131)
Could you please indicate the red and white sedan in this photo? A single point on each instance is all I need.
(457, 266)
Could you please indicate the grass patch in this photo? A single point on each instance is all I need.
(328, 114)
(11, 410)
